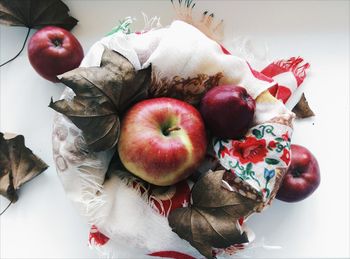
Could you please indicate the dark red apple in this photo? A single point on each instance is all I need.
(53, 51)
(228, 111)
(302, 178)
(162, 140)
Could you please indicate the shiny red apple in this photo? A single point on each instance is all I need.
(162, 140)
(53, 51)
(228, 111)
(302, 178)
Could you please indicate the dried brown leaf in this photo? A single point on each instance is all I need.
(36, 13)
(101, 94)
(302, 108)
(18, 165)
(211, 221)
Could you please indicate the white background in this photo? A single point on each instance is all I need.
(43, 223)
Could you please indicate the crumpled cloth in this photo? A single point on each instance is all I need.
(129, 220)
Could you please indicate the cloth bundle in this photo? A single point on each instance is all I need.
(129, 217)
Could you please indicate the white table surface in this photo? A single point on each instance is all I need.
(44, 224)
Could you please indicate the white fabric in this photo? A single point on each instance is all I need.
(266, 110)
(180, 49)
(286, 79)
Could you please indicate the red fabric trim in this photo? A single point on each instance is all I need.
(224, 50)
(172, 254)
(283, 93)
(96, 237)
(259, 75)
(182, 196)
(300, 73)
(256, 74)
(295, 65)
(273, 90)
(272, 70)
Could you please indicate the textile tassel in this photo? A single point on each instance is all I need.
(289, 74)
(295, 65)
(206, 24)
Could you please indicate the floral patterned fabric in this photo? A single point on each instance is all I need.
(253, 161)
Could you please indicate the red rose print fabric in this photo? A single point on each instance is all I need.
(253, 160)
(250, 150)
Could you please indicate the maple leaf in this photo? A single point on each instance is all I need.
(18, 165)
(212, 219)
(101, 95)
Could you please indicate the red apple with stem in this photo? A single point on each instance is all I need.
(162, 140)
(228, 111)
(53, 51)
(302, 178)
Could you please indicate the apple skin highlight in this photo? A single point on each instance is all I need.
(162, 140)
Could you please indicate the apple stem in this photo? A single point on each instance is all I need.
(296, 174)
(57, 43)
(169, 130)
(24, 44)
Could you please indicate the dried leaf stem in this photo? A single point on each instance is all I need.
(6, 208)
(24, 44)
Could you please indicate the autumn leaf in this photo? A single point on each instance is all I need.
(212, 219)
(36, 13)
(302, 108)
(101, 95)
(18, 165)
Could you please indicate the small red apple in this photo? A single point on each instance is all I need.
(162, 140)
(228, 111)
(302, 178)
(53, 51)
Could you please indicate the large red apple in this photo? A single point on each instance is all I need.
(53, 51)
(302, 178)
(228, 111)
(162, 140)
